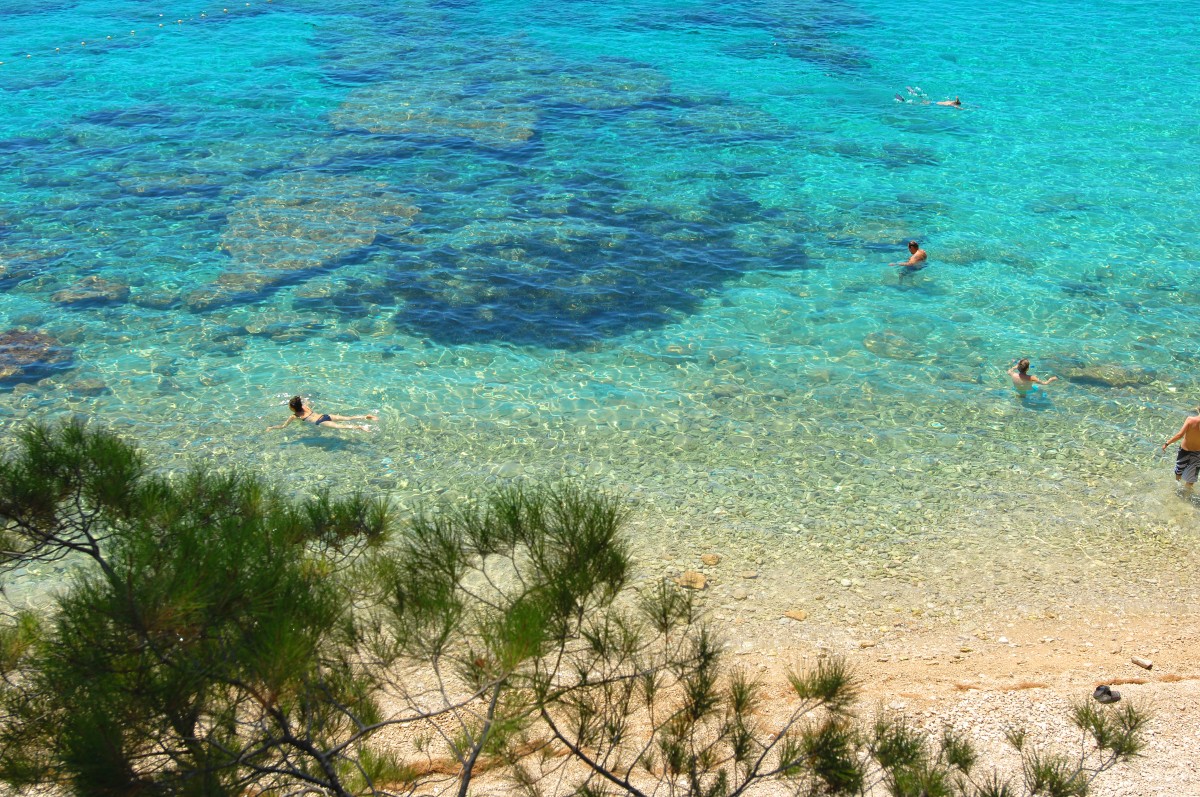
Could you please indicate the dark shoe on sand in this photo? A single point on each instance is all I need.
(1104, 694)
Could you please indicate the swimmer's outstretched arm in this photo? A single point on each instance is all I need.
(1037, 381)
(285, 423)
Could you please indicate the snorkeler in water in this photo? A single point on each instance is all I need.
(920, 98)
(1025, 382)
(303, 413)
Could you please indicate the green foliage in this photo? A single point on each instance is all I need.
(957, 752)
(205, 628)
(1053, 776)
(16, 640)
(1117, 731)
(830, 753)
(828, 683)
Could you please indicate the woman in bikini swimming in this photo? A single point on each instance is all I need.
(302, 413)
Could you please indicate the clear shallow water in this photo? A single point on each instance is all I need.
(643, 243)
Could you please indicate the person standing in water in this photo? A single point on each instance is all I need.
(1187, 461)
(1025, 382)
(302, 413)
(918, 258)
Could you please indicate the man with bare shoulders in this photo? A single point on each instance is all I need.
(1187, 461)
(917, 260)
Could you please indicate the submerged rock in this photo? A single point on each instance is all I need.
(608, 85)
(89, 387)
(17, 267)
(891, 345)
(436, 109)
(157, 300)
(92, 292)
(30, 356)
(1108, 375)
(297, 225)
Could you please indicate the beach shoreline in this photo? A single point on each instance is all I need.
(980, 633)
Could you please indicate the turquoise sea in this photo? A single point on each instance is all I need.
(644, 243)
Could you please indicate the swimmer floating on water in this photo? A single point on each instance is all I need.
(922, 99)
(302, 413)
(1025, 382)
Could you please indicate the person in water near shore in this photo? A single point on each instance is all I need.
(917, 260)
(1187, 461)
(954, 103)
(1025, 382)
(302, 413)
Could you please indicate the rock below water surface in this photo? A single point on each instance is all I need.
(1108, 374)
(437, 110)
(299, 225)
(891, 345)
(30, 356)
(607, 85)
(92, 292)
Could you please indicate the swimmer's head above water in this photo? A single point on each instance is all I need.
(296, 405)
(1023, 365)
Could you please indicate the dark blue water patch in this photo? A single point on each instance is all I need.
(830, 57)
(1083, 289)
(1062, 203)
(19, 83)
(13, 271)
(897, 156)
(23, 144)
(132, 116)
(567, 283)
(22, 8)
(755, 50)
(889, 155)
(336, 74)
(850, 242)
(292, 62)
(356, 298)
